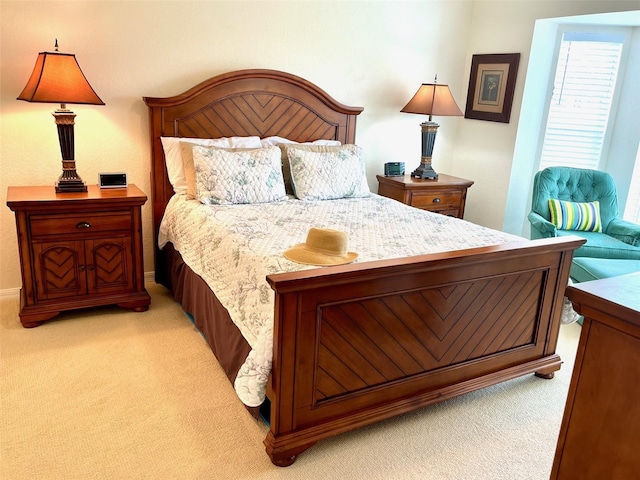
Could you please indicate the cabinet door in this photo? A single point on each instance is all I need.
(59, 269)
(109, 265)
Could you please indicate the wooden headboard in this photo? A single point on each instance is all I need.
(243, 103)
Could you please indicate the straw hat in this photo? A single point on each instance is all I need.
(323, 247)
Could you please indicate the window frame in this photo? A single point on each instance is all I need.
(623, 133)
(624, 33)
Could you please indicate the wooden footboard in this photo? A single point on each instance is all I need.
(360, 343)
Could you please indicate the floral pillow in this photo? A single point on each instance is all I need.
(229, 177)
(175, 161)
(327, 172)
(284, 143)
(190, 169)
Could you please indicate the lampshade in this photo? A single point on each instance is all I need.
(433, 99)
(57, 78)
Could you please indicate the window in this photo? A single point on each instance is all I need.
(617, 147)
(583, 90)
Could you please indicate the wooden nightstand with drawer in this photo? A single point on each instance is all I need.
(78, 250)
(446, 195)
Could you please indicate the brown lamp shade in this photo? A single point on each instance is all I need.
(57, 78)
(433, 99)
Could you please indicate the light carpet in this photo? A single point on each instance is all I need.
(108, 393)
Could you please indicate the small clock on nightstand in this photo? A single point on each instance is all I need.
(446, 195)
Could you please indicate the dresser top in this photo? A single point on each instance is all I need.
(619, 296)
(409, 182)
(24, 196)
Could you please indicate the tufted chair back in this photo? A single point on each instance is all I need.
(575, 185)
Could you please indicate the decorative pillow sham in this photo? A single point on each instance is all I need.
(186, 149)
(327, 172)
(244, 176)
(282, 142)
(174, 161)
(583, 217)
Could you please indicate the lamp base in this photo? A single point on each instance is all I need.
(70, 186)
(425, 171)
(69, 180)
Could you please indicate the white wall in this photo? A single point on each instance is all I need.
(369, 54)
(625, 141)
(372, 54)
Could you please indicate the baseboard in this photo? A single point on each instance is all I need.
(9, 293)
(149, 277)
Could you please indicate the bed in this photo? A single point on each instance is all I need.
(332, 326)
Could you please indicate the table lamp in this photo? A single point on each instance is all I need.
(430, 99)
(57, 78)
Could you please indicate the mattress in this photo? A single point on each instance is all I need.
(234, 247)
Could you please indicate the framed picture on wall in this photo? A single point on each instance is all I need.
(491, 85)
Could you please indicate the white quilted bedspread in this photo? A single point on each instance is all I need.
(234, 247)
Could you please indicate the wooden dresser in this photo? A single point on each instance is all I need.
(600, 432)
(446, 195)
(78, 250)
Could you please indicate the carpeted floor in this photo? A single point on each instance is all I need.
(112, 394)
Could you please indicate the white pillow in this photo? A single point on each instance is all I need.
(225, 177)
(266, 142)
(327, 173)
(173, 155)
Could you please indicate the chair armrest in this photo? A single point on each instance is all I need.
(545, 228)
(627, 232)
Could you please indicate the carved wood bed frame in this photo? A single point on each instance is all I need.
(359, 343)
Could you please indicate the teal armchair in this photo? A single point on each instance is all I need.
(619, 239)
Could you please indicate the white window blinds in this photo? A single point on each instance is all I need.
(582, 94)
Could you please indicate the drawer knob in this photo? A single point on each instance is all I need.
(83, 225)
(436, 200)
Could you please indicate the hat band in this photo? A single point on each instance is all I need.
(324, 251)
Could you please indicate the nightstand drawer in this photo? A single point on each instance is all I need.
(448, 212)
(65, 224)
(436, 200)
(446, 195)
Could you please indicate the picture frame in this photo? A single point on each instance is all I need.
(491, 85)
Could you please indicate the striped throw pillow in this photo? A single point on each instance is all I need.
(584, 217)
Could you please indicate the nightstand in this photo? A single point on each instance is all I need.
(446, 195)
(78, 250)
